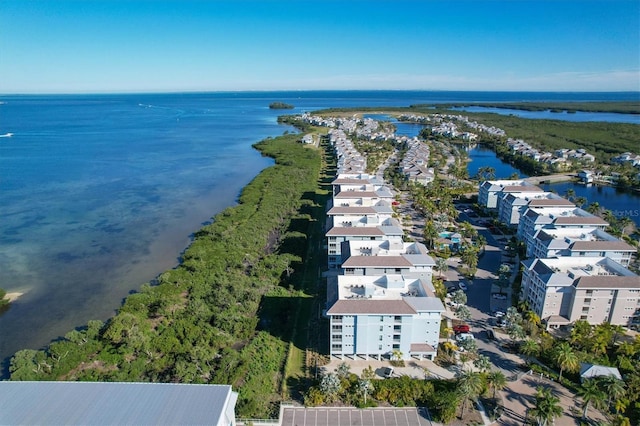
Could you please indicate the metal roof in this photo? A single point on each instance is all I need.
(100, 403)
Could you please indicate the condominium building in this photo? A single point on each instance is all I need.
(382, 316)
(566, 289)
(513, 204)
(586, 242)
(387, 257)
(339, 234)
(492, 190)
(554, 217)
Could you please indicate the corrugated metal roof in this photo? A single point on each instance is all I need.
(100, 403)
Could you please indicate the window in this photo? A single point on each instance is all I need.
(381, 319)
(397, 327)
(396, 346)
(381, 328)
(336, 347)
(380, 337)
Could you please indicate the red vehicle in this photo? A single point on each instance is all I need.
(461, 328)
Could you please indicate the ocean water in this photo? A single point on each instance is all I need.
(100, 193)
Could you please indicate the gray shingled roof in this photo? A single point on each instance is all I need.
(99, 403)
(355, 230)
(580, 220)
(371, 307)
(356, 194)
(376, 261)
(608, 281)
(551, 202)
(351, 210)
(601, 245)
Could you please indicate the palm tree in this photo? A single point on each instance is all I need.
(430, 234)
(570, 194)
(613, 387)
(469, 385)
(496, 381)
(626, 224)
(591, 395)
(565, 358)
(482, 362)
(530, 348)
(547, 407)
(531, 322)
(442, 265)
(593, 208)
(580, 201)
(620, 420)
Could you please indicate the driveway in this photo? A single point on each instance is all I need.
(519, 396)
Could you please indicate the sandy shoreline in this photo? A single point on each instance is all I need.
(13, 296)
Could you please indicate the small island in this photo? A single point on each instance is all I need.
(280, 105)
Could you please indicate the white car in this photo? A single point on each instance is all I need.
(499, 296)
(462, 286)
(463, 336)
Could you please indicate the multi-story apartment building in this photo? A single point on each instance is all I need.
(373, 223)
(380, 302)
(566, 289)
(382, 316)
(554, 217)
(372, 234)
(513, 204)
(387, 257)
(586, 242)
(492, 190)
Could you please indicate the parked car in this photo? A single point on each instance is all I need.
(490, 335)
(463, 286)
(498, 314)
(499, 296)
(387, 372)
(463, 336)
(461, 328)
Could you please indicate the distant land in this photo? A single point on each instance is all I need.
(280, 105)
(624, 107)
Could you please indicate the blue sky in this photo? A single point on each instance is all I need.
(140, 46)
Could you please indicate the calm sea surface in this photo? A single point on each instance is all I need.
(100, 193)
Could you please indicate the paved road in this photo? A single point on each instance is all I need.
(481, 304)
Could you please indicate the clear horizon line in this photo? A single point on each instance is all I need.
(160, 92)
